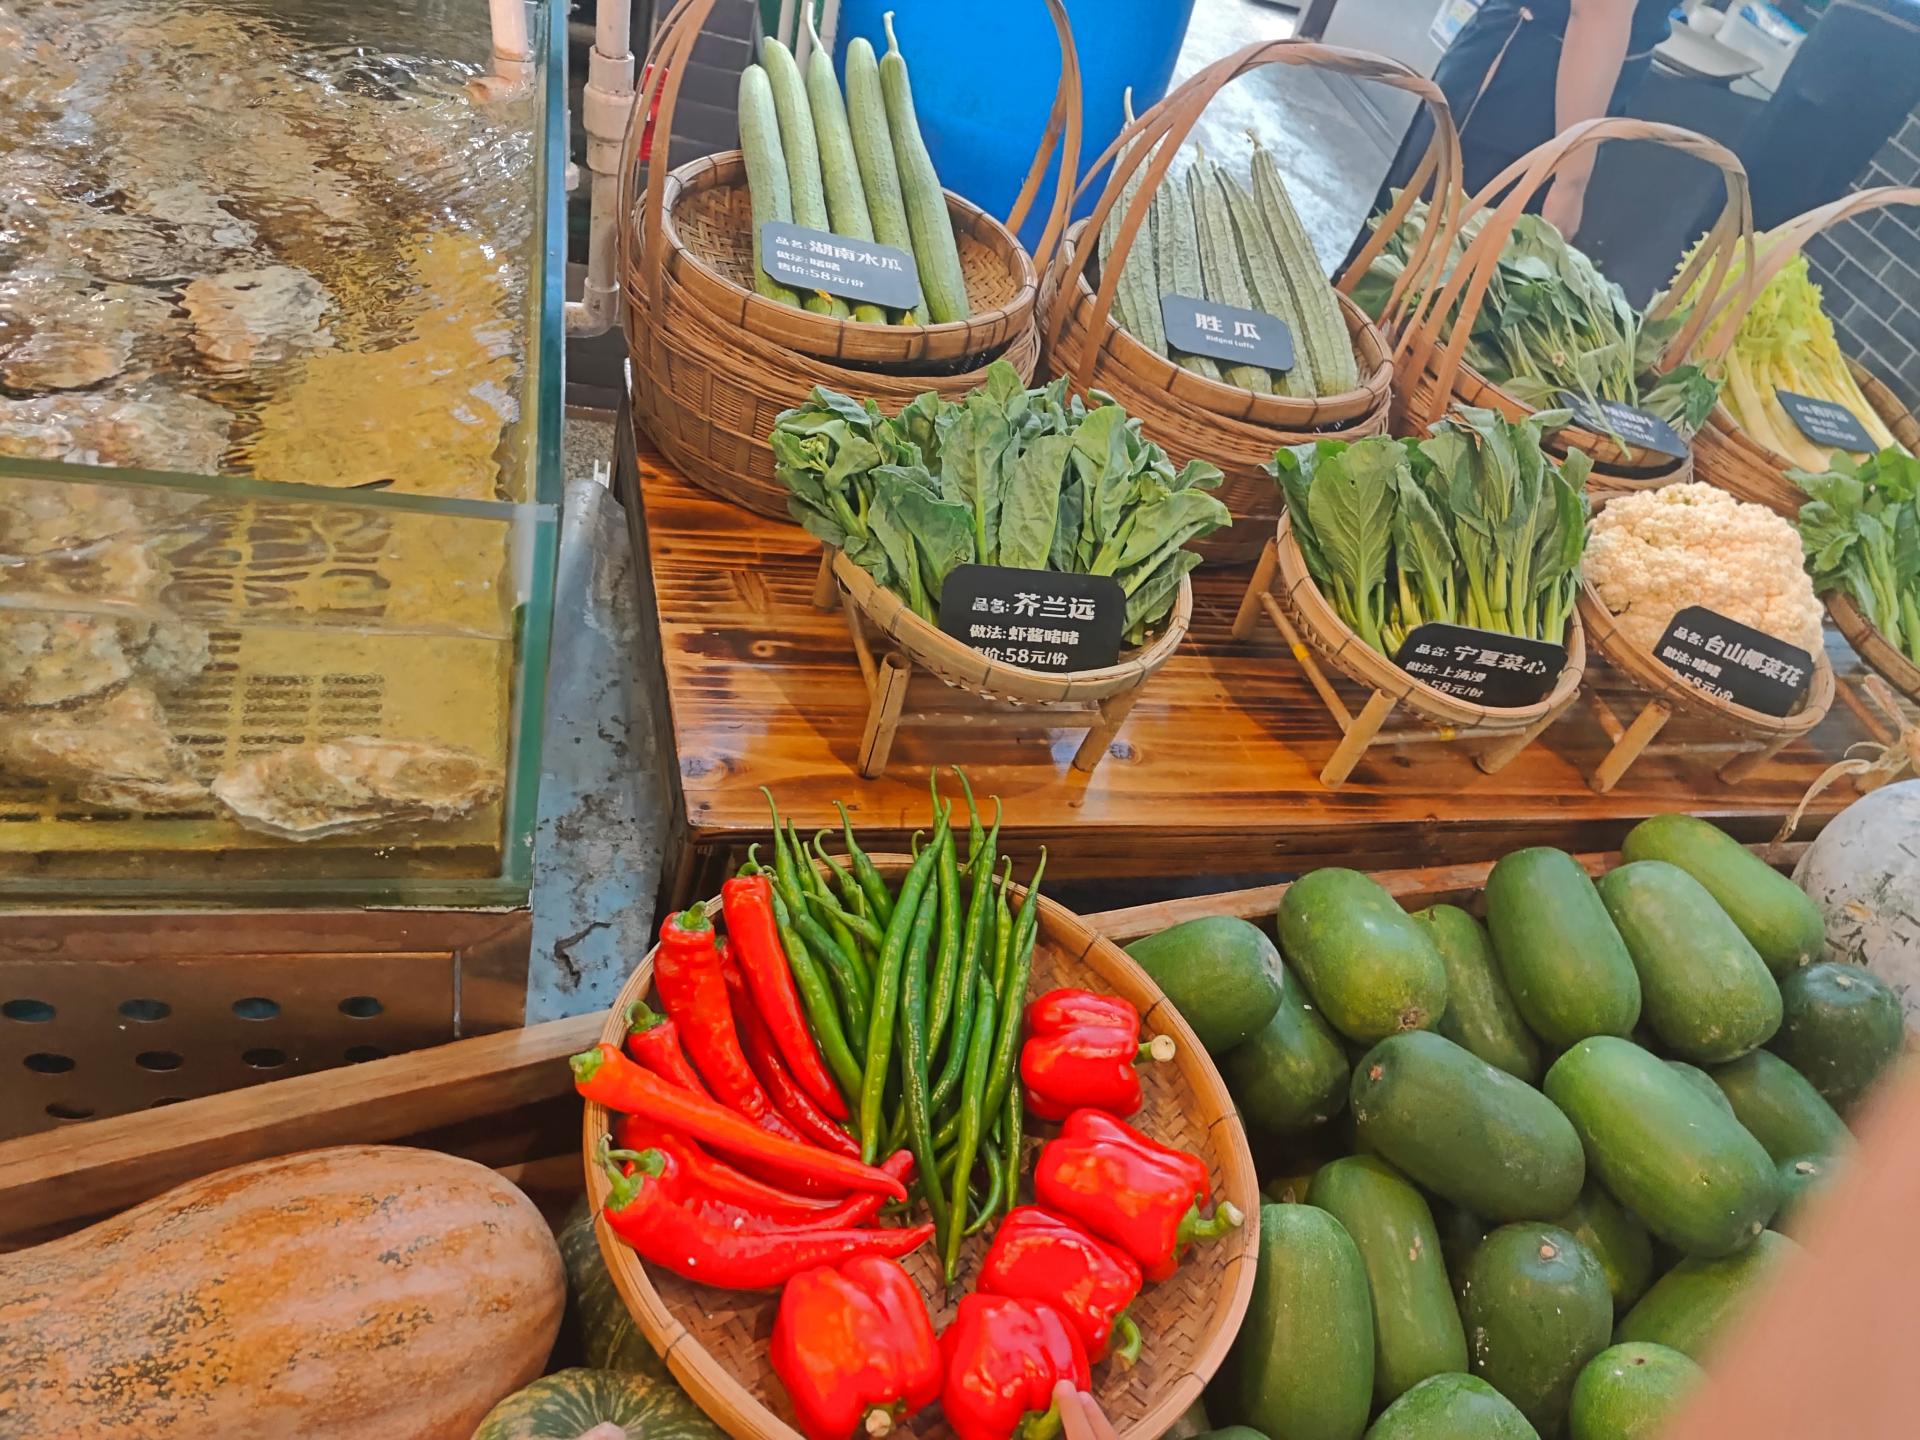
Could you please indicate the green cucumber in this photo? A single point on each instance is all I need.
(1564, 962)
(1704, 989)
(1618, 1241)
(935, 251)
(1221, 277)
(1416, 1326)
(1780, 1107)
(797, 143)
(1842, 1028)
(1303, 1361)
(1772, 912)
(1630, 1392)
(873, 149)
(1480, 1014)
(767, 186)
(1464, 1130)
(1452, 1407)
(1176, 250)
(1689, 1305)
(846, 200)
(1222, 974)
(1800, 1177)
(1369, 968)
(1670, 1155)
(1537, 1309)
(1701, 1081)
(1293, 1074)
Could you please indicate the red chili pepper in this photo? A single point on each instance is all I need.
(608, 1078)
(764, 1056)
(748, 901)
(1135, 1192)
(1039, 1256)
(1081, 1051)
(686, 1185)
(638, 1132)
(693, 1246)
(855, 1348)
(1003, 1358)
(654, 1040)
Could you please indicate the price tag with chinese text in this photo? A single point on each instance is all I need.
(1502, 672)
(862, 270)
(1227, 332)
(1825, 423)
(1636, 427)
(1036, 619)
(1735, 661)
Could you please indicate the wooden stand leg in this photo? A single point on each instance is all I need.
(1262, 581)
(826, 591)
(1111, 715)
(1358, 737)
(1742, 767)
(1502, 753)
(883, 715)
(1632, 741)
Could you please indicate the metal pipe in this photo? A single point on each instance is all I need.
(604, 105)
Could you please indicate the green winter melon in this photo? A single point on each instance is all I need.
(1630, 1392)
(571, 1404)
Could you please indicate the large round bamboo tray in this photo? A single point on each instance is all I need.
(1190, 416)
(1431, 372)
(1727, 455)
(1335, 641)
(1871, 646)
(715, 1341)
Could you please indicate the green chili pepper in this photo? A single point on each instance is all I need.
(996, 1185)
(946, 968)
(849, 980)
(879, 898)
(818, 1003)
(975, 832)
(811, 888)
(1006, 1047)
(992, 967)
(886, 996)
(972, 1111)
(835, 915)
(913, 1057)
(1012, 1120)
(1002, 928)
(852, 897)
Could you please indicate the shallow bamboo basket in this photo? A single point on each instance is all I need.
(1431, 374)
(713, 362)
(1285, 589)
(1871, 646)
(892, 643)
(1728, 456)
(715, 1341)
(1190, 416)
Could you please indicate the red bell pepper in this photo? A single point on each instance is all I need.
(654, 1040)
(1003, 1358)
(699, 1248)
(763, 1055)
(855, 1348)
(1081, 1051)
(606, 1077)
(720, 1193)
(1039, 1256)
(748, 902)
(1135, 1192)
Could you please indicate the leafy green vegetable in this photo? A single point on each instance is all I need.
(1033, 479)
(1475, 525)
(1860, 529)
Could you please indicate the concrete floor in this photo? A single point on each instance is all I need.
(1329, 145)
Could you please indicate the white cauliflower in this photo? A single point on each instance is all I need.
(1655, 552)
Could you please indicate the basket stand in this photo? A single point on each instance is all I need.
(1361, 732)
(900, 692)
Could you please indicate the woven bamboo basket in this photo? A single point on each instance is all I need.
(1431, 373)
(1757, 737)
(715, 1341)
(1284, 588)
(1726, 454)
(1871, 646)
(1189, 415)
(713, 362)
(892, 643)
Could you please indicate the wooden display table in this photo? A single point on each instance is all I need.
(1214, 774)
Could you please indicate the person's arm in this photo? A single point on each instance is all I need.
(1590, 61)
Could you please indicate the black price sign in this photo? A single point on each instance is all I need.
(1636, 427)
(862, 270)
(1825, 423)
(1735, 661)
(1036, 619)
(1227, 332)
(1499, 671)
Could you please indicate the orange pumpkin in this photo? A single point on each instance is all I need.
(364, 1291)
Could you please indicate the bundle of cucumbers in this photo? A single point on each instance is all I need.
(1210, 237)
(1523, 1172)
(853, 164)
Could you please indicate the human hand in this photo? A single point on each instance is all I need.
(1080, 1415)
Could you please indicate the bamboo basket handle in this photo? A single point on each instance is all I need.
(1153, 139)
(1063, 128)
(1518, 184)
(1777, 249)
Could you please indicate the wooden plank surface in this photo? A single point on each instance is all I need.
(1214, 774)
